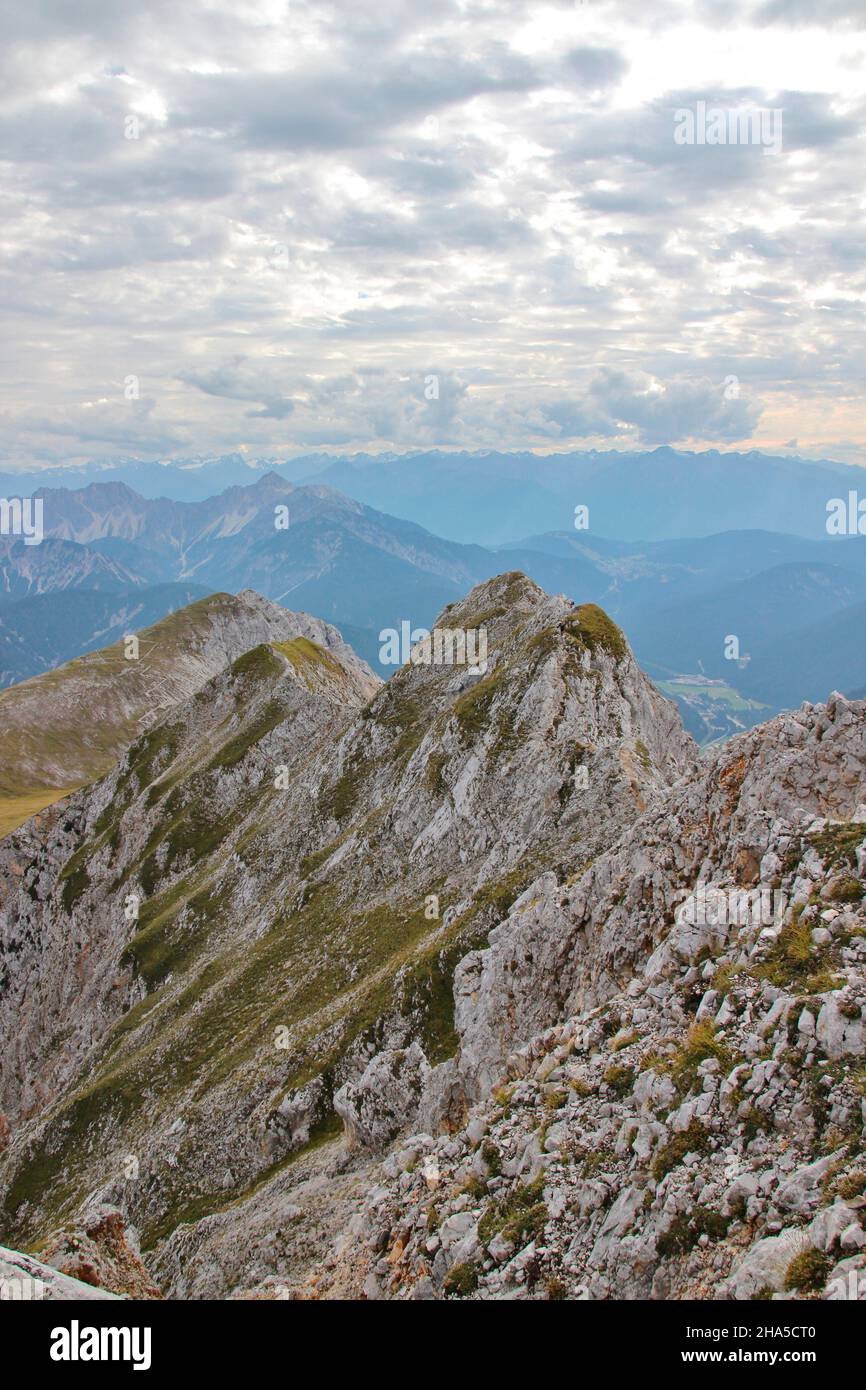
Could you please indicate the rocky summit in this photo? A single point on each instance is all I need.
(478, 983)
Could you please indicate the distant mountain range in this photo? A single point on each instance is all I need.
(123, 561)
(182, 480)
(493, 498)
(660, 495)
(26, 570)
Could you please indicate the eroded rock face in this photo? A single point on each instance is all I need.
(102, 1254)
(567, 947)
(24, 1279)
(690, 1130)
(385, 1097)
(269, 896)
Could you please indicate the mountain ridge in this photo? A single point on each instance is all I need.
(299, 904)
(380, 1028)
(51, 739)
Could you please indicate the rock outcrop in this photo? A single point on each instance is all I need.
(681, 1111)
(23, 1279)
(476, 984)
(101, 1252)
(211, 958)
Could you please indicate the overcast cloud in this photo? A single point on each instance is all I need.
(276, 227)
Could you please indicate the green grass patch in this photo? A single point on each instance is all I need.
(519, 1217)
(838, 844)
(807, 1272)
(595, 631)
(694, 1139)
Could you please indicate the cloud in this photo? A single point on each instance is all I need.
(243, 381)
(121, 427)
(810, 12)
(595, 67)
(318, 205)
(677, 411)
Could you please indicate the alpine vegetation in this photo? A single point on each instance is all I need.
(497, 950)
(433, 673)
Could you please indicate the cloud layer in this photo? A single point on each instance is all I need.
(281, 226)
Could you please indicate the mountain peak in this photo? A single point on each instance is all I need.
(96, 704)
(321, 854)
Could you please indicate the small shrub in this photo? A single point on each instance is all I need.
(838, 844)
(793, 960)
(619, 1079)
(519, 1217)
(555, 1290)
(702, 1042)
(462, 1279)
(492, 1157)
(554, 1100)
(710, 1223)
(737, 1208)
(755, 1122)
(808, 1271)
(594, 1161)
(502, 1095)
(724, 977)
(852, 1185)
(684, 1232)
(678, 1239)
(474, 1186)
(652, 1060)
(845, 890)
(695, 1139)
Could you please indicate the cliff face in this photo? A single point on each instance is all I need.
(676, 1048)
(732, 822)
(469, 985)
(244, 939)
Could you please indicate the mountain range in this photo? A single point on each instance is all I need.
(133, 559)
(332, 988)
(493, 498)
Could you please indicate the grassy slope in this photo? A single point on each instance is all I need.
(15, 810)
(67, 727)
(333, 956)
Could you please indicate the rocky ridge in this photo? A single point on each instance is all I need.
(624, 1058)
(669, 1056)
(69, 725)
(309, 862)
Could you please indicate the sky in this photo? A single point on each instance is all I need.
(379, 225)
